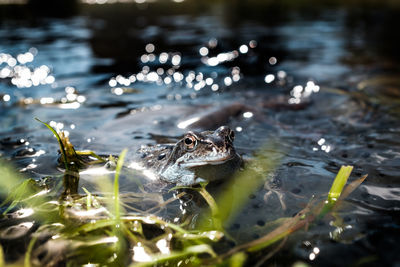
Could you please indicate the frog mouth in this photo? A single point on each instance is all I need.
(216, 161)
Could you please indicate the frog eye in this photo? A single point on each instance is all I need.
(231, 136)
(190, 142)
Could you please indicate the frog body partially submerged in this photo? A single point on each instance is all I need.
(197, 157)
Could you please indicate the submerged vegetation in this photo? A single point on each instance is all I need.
(57, 225)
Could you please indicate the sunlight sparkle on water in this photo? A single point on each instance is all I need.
(26, 224)
(269, 78)
(23, 213)
(6, 98)
(323, 146)
(88, 213)
(244, 49)
(150, 48)
(73, 105)
(25, 58)
(139, 254)
(5, 72)
(152, 76)
(11, 62)
(96, 171)
(176, 60)
(272, 60)
(21, 75)
(29, 167)
(203, 51)
(247, 114)
(312, 256)
(163, 58)
(228, 81)
(167, 80)
(281, 74)
(173, 77)
(178, 76)
(253, 44)
(221, 58)
(299, 92)
(163, 246)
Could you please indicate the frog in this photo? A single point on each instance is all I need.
(195, 158)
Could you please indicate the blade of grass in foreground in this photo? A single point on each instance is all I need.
(312, 212)
(27, 260)
(120, 162)
(2, 262)
(20, 193)
(10, 178)
(236, 194)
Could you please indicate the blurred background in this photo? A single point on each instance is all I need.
(322, 76)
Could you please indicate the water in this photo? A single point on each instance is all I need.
(124, 75)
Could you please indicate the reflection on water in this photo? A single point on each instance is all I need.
(324, 80)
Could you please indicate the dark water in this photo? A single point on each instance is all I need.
(123, 75)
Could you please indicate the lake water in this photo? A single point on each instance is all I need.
(323, 81)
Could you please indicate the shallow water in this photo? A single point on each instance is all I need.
(124, 75)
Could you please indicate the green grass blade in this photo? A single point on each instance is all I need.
(336, 189)
(120, 162)
(238, 259)
(213, 206)
(93, 154)
(62, 148)
(233, 198)
(10, 177)
(28, 254)
(88, 198)
(20, 193)
(339, 183)
(2, 262)
(305, 217)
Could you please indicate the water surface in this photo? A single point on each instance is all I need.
(123, 75)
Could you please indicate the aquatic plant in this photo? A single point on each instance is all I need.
(95, 228)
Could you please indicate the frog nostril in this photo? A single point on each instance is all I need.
(230, 137)
(161, 156)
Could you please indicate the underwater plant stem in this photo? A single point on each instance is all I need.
(71, 183)
(213, 206)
